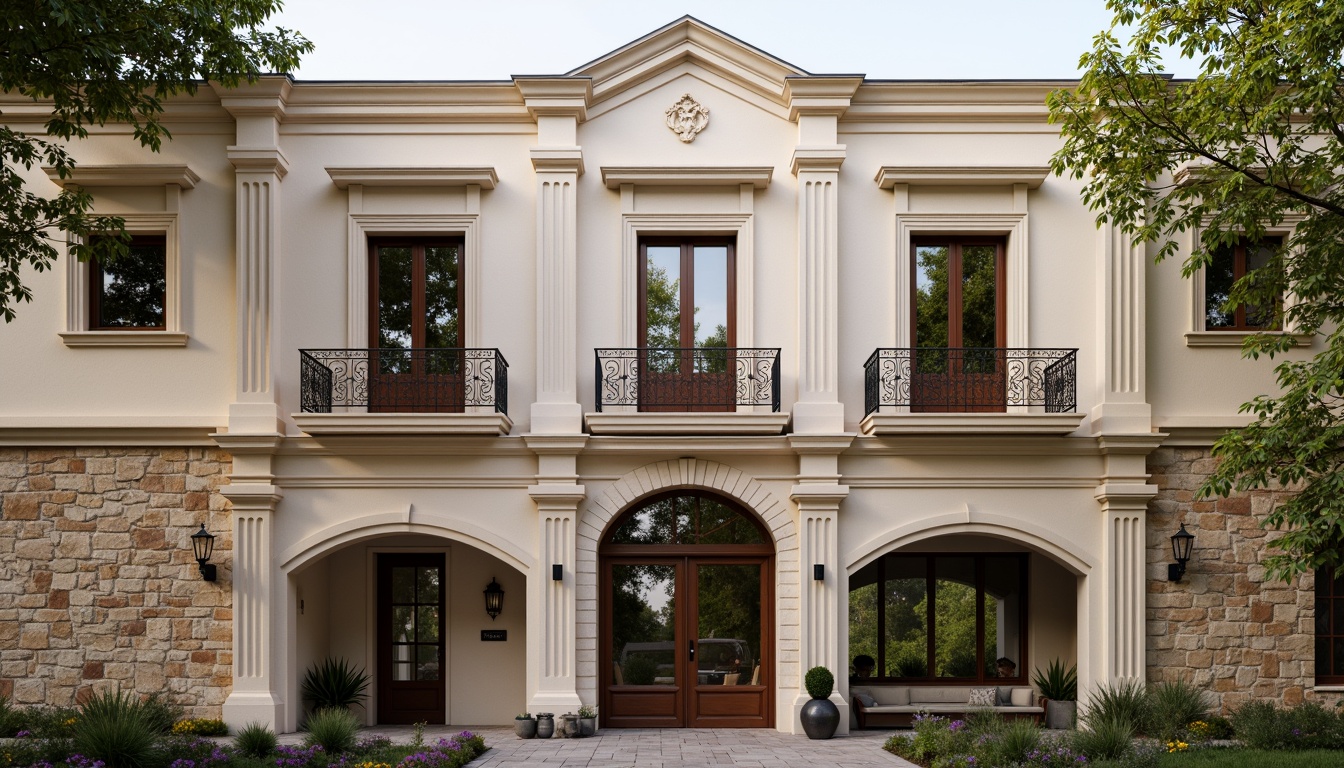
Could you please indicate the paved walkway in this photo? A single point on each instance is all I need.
(668, 748)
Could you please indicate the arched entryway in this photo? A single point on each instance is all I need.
(686, 624)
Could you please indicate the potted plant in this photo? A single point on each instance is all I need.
(545, 725)
(1059, 688)
(587, 720)
(820, 716)
(525, 726)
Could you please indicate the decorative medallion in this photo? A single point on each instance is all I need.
(687, 118)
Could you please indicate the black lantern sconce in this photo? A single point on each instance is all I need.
(557, 572)
(1181, 543)
(494, 598)
(818, 572)
(203, 546)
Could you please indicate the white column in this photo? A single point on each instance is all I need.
(558, 105)
(1121, 329)
(823, 603)
(552, 670)
(817, 103)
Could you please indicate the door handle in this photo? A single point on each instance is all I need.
(692, 649)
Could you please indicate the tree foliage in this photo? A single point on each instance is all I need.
(108, 61)
(1255, 141)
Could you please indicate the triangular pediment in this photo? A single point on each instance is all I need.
(688, 41)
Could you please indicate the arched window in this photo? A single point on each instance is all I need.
(687, 518)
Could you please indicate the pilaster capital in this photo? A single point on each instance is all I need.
(819, 497)
(1125, 497)
(266, 97)
(555, 445)
(823, 445)
(553, 497)
(1137, 444)
(557, 159)
(252, 497)
(555, 95)
(827, 158)
(822, 95)
(259, 160)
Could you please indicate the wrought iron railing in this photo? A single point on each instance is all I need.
(687, 379)
(403, 380)
(964, 379)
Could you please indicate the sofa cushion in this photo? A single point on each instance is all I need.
(939, 695)
(866, 700)
(1023, 697)
(897, 696)
(982, 697)
(1004, 697)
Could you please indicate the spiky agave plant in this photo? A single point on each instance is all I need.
(335, 684)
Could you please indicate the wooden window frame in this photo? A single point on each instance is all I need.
(955, 244)
(1238, 249)
(1327, 593)
(687, 287)
(96, 276)
(417, 244)
(1022, 678)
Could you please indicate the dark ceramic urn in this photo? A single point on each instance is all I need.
(820, 718)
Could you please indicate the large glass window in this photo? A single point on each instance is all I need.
(130, 294)
(940, 617)
(1227, 266)
(1329, 626)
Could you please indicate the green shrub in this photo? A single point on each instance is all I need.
(161, 713)
(1057, 683)
(48, 722)
(1016, 739)
(1261, 725)
(117, 729)
(1172, 707)
(255, 740)
(200, 726)
(1125, 700)
(11, 718)
(333, 729)
(819, 681)
(334, 683)
(1104, 738)
(1210, 727)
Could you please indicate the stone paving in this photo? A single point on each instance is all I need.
(665, 748)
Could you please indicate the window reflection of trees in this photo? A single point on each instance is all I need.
(687, 519)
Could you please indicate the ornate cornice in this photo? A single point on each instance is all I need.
(127, 175)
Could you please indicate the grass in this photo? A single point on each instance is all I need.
(1252, 758)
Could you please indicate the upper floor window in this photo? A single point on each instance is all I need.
(415, 293)
(1329, 626)
(1228, 265)
(687, 293)
(131, 293)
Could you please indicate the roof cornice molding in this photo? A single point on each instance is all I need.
(404, 176)
(820, 94)
(686, 176)
(953, 102)
(266, 97)
(560, 95)
(888, 176)
(128, 175)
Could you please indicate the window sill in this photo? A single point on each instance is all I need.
(714, 423)
(403, 424)
(1329, 688)
(883, 424)
(1236, 338)
(124, 339)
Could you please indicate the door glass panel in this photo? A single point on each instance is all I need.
(1003, 615)
(711, 296)
(427, 662)
(718, 523)
(427, 624)
(403, 670)
(394, 300)
(729, 601)
(403, 585)
(427, 587)
(979, 296)
(662, 299)
(954, 617)
(907, 608)
(441, 310)
(403, 624)
(643, 614)
(931, 295)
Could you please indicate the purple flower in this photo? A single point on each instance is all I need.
(22, 735)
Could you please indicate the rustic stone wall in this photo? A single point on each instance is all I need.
(98, 586)
(1224, 627)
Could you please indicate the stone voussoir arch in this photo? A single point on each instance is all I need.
(640, 483)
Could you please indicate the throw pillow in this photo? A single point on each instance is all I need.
(983, 697)
(866, 700)
(1005, 696)
(1023, 697)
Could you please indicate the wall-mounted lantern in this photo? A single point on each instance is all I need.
(1181, 543)
(203, 546)
(494, 598)
(557, 572)
(818, 572)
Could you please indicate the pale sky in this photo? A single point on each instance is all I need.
(883, 39)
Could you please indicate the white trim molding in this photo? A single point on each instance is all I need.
(692, 176)
(888, 176)
(405, 176)
(77, 332)
(1012, 225)
(364, 225)
(133, 175)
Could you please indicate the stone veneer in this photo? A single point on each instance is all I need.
(1224, 627)
(98, 586)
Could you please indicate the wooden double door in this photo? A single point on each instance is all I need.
(687, 641)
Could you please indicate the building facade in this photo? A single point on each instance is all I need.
(647, 386)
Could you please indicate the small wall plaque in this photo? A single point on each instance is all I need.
(494, 635)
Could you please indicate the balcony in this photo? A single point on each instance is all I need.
(403, 391)
(687, 391)
(971, 391)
